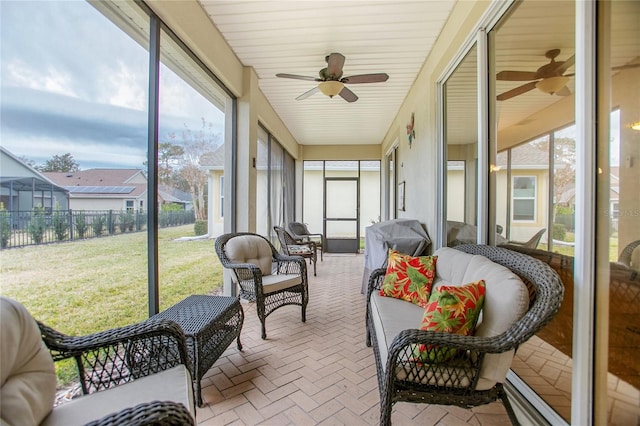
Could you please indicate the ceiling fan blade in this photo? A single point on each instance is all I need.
(516, 75)
(624, 67)
(297, 77)
(308, 93)
(365, 78)
(348, 95)
(564, 91)
(335, 61)
(517, 91)
(566, 64)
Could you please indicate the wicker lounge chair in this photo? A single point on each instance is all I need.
(134, 375)
(291, 247)
(460, 380)
(263, 275)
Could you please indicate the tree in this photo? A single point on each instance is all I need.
(169, 159)
(60, 163)
(564, 173)
(196, 144)
(29, 162)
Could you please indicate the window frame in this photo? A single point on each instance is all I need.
(515, 198)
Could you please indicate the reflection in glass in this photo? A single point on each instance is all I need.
(529, 197)
(619, 212)
(461, 138)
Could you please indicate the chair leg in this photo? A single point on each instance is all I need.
(507, 405)
(385, 411)
(264, 330)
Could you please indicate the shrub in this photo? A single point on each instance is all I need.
(37, 224)
(558, 231)
(81, 224)
(126, 221)
(98, 225)
(200, 227)
(5, 227)
(60, 224)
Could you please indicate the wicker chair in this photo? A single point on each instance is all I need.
(134, 375)
(300, 233)
(453, 382)
(625, 255)
(155, 413)
(263, 275)
(292, 247)
(531, 242)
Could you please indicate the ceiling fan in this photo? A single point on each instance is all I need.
(549, 78)
(332, 83)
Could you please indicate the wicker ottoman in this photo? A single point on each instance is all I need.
(210, 324)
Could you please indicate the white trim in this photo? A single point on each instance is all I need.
(482, 206)
(584, 271)
(529, 407)
(393, 146)
(441, 169)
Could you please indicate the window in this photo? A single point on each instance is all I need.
(524, 198)
(129, 205)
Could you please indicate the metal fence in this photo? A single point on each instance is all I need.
(41, 226)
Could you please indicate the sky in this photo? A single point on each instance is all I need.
(72, 82)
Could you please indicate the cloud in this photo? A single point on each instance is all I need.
(74, 82)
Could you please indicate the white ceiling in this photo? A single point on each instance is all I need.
(394, 37)
(294, 37)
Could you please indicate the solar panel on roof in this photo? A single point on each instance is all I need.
(100, 189)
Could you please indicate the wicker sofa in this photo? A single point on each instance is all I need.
(133, 375)
(522, 295)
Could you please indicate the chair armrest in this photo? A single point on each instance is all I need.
(112, 357)
(408, 338)
(445, 359)
(290, 264)
(375, 281)
(165, 413)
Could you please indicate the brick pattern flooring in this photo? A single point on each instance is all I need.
(315, 373)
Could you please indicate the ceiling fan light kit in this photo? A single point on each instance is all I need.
(552, 85)
(331, 88)
(331, 81)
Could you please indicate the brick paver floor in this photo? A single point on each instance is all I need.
(315, 373)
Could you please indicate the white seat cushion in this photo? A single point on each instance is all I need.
(250, 249)
(27, 374)
(170, 385)
(271, 283)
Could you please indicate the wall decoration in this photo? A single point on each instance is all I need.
(411, 131)
(401, 196)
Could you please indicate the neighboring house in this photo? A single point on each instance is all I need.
(213, 163)
(104, 189)
(22, 187)
(170, 195)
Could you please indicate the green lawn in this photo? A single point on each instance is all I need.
(80, 287)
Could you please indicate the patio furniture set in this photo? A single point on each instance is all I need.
(145, 373)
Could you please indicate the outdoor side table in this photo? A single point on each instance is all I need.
(210, 323)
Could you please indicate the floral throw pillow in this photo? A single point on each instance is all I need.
(451, 309)
(409, 278)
